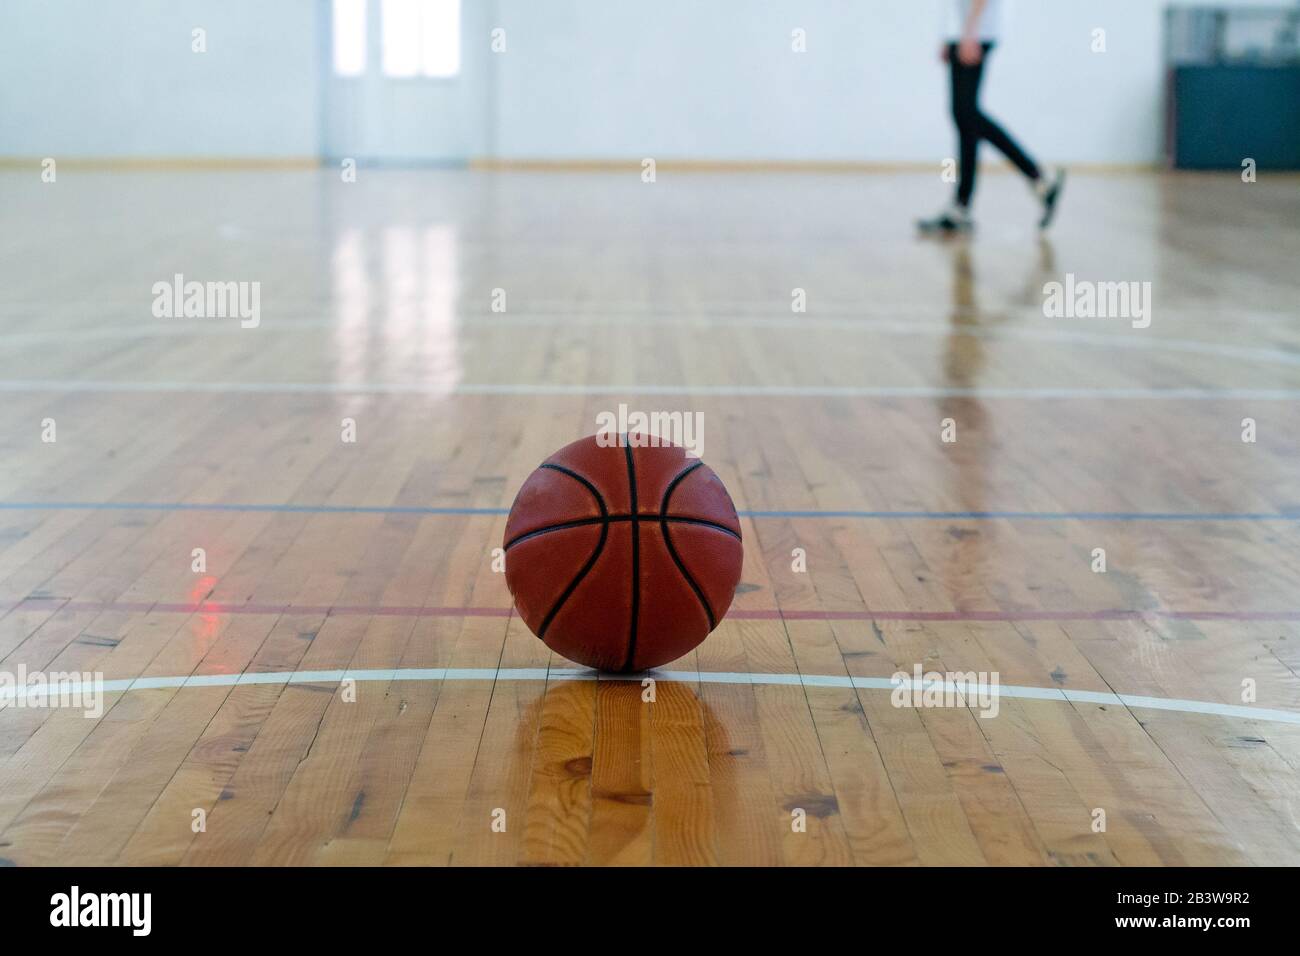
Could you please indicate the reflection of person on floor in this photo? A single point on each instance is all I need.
(964, 361)
(979, 475)
(972, 33)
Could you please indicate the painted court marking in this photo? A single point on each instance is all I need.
(58, 605)
(387, 675)
(855, 321)
(443, 389)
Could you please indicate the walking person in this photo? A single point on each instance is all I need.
(972, 33)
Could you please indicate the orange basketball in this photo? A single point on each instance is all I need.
(622, 558)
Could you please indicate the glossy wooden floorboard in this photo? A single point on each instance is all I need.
(377, 306)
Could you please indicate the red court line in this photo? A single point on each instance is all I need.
(738, 614)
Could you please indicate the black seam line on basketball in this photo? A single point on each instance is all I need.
(591, 561)
(672, 551)
(683, 519)
(668, 492)
(636, 557)
(677, 480)
(573, 585)
(595, 492)
(562, 526)
(584, 522)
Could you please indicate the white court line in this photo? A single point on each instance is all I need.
(308, 312)
(515, 389)
(1061, 695)
(1127, 341)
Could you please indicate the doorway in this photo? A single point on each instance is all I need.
(402, 85)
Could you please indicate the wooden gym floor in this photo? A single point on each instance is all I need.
(1122, 691)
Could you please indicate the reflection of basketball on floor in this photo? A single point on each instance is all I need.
(622, 558)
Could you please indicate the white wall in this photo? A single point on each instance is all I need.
(716, 79)
(117, 78)
(589, 79)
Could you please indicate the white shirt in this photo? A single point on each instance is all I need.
(987, 29)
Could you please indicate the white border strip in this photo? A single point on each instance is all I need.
(386, 675)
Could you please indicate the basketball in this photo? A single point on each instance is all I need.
(622, 558)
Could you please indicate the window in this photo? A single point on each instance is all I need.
(417, 37)
(349, 37)
(421, 37)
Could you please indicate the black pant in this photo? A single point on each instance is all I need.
(973, 126)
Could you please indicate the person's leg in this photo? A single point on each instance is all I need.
(987, 129)
(966, 116)
(972, 126)
(1047, 186)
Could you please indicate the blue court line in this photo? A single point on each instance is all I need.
(894, 515)
(184, 506)
(1036, 515)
